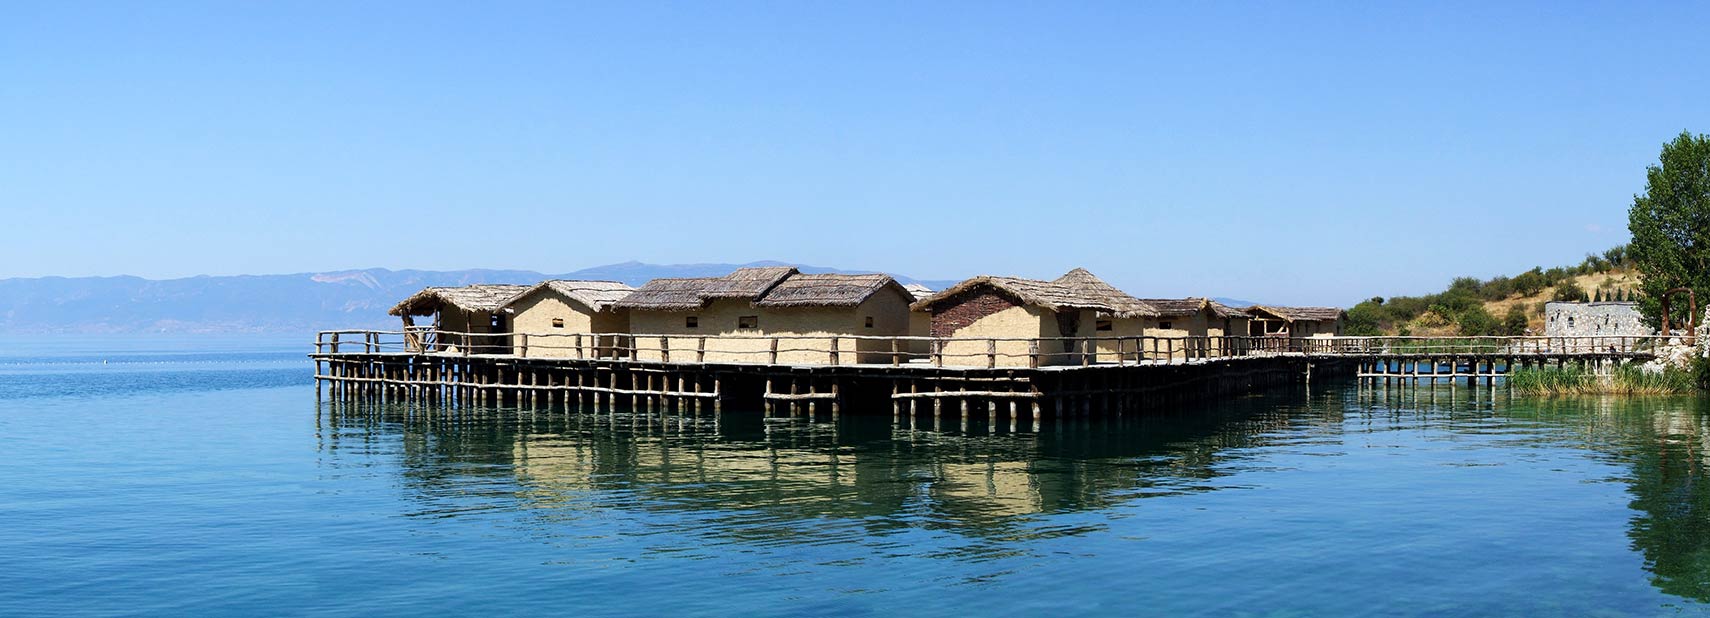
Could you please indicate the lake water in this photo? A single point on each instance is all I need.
(141, 477)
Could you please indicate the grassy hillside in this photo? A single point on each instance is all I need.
(1499, 306)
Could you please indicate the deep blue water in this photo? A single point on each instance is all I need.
(143, 478)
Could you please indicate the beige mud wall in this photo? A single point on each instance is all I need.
(576, 339)
(457, 321)
(1131, 328)
(1226, 335)
(804, 334)
(1173, 343)
(1025, 322)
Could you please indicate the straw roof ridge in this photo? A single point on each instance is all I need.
(750, 283)
(1077, 289)
(668, 294)
(1082, 282)
(1295, 314)
(827, 290)
(691, 293)
(1225, 311)
(1177, 307)
(476, 297)
(596, 295)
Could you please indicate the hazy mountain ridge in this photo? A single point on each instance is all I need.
(297, 302)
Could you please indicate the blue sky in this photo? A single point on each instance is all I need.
(1309, 153)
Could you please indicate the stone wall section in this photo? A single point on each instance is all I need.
(1607, 319)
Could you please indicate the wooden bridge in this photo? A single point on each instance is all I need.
(1020, 380)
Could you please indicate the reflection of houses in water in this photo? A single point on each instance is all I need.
(749, 482)
(825, 481)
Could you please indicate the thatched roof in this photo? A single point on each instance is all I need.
(688, 294)
(827, 290)
(1077, 289)
(748, 283)
(1176, 307)
(595, 295)
(488, 297)
(1299, 314)
(669, 294)
(1225, 311)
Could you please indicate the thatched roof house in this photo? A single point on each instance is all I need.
(1200, 323)
(471, 309)
(1077, 289)
(1016, 310)
(691, 294)
(555, 314)
(477, 298)
(1296, 321)
(594, 295)
(755, 303)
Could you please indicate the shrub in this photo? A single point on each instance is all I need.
(1568, 291)
(1515, 323)
(1477, 321)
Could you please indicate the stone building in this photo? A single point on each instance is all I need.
(1607, 319)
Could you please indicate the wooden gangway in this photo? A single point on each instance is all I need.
(1021, 377)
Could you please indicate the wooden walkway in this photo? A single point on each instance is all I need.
(911, 376)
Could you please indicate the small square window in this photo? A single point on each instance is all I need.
(692, 322)
(748, 321)
(869, 321)
(558, 322)
(1104, 325)
(498, 320)
(1164, 325)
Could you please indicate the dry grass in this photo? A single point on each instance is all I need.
(1428, 324)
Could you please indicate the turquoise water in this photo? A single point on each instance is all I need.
(143, 479)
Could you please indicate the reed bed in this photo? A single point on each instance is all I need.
(1624, 380)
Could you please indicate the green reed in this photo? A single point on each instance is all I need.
(1624, 380)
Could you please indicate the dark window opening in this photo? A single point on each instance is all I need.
(748, 321)
(1164, 325)
(558, 322)
(692, 322)
(498, 321)
(1104, 325)
(869, 321)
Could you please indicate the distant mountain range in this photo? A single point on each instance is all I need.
(296, 303)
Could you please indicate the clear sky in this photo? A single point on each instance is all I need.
(1289, 152)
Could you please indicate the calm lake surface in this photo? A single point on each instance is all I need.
(161, 476)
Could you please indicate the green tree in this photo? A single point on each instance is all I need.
(1477, 321)
(1365, 319)
(1530, 282)
(1515, 323)
(1568, 291)
(1617, 256)
(1670, 223)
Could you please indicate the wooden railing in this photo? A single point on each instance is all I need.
(988, 352)
(1627, 345)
